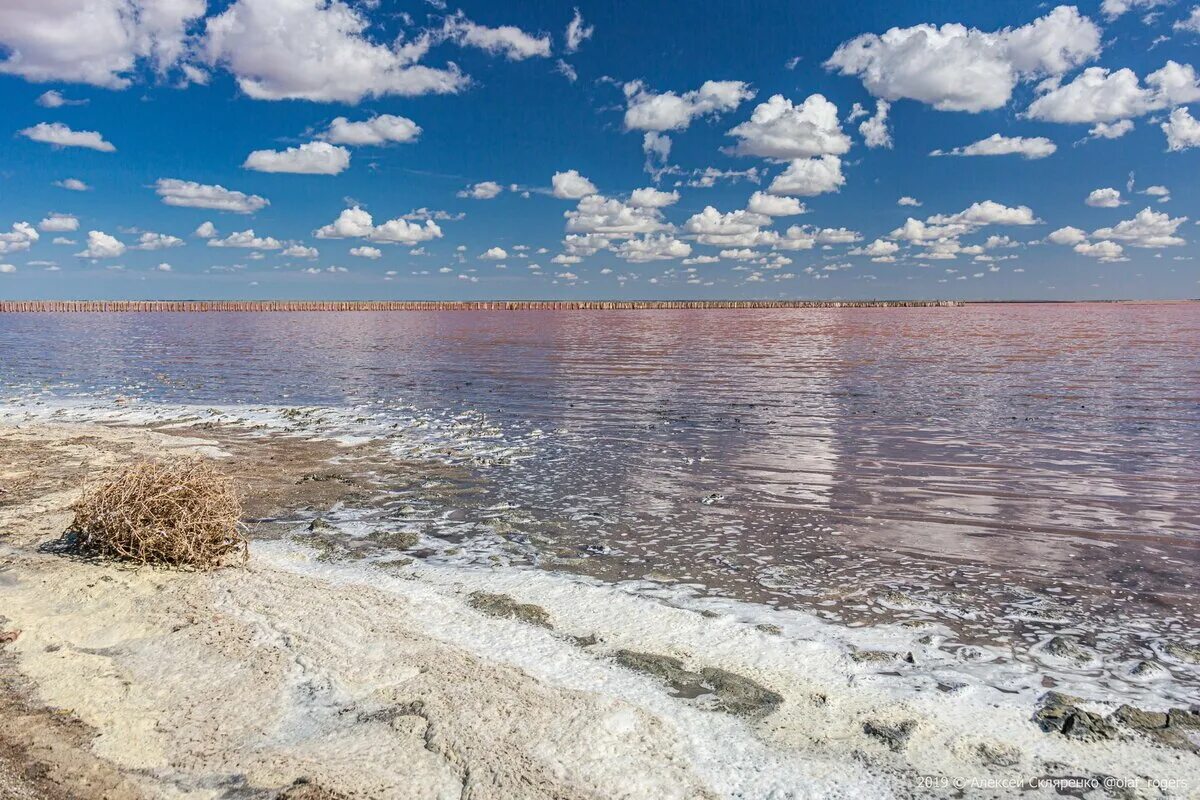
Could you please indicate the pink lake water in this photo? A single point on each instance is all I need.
(1014, 472)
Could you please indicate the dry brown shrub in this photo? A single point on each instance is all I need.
(180, 513)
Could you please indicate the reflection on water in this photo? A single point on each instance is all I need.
(1015, 463)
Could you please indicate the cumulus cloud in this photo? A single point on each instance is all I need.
(99, 42)
(372, 253)
(19, 238)
(157, 241)
(380, 129)
(956, 68)
(577, 32)
(1182, 130)
(774, 205)
(484, 190)
(55, 99)
(59, 223)
(570, 185)
(658, 247)
(314, 158)
(652, 198)
(1148, 229)
(668, 111)
(163, 267)
(781, 131)
(101, 245)
(1192, 23)
(880, 248)
(1104, 250)
(494, 254)
(612, 218)
(356, 223)
(318, 50)
(1111, 130)
(908, 201)
(1068, 236)
(506, 40)
(300, 251)
(72, 184)
(1101, 95)
(247, 239)
(1107, 197)
(874, 130)
(997, 145)
(987, 212)
(1115, 8)
(59, 135)
(809, 177)
(205, 230)
(657, 147)
(175, 192)
(7, 269)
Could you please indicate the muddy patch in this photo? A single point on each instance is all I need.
(731, 693)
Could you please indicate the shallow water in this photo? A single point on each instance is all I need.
(1011, 472)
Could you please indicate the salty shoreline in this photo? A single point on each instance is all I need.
(404, 678)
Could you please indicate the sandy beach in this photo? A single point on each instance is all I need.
(307, 674)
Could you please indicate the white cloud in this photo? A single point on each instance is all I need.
(774, 206)
(955, 68)
(73, 184)
(647, 111)
(98, 42)
(205, 230)
(987, 212)
(314, 158)
(780, 131)
(7, 269)
(1101, 95)
(355, 223)
(570, 185)
(1161, 192)
(735, 229)
(1104, 250)
(372, 253)
(577, 32)
(20, 238)
(657, 147)
(300, 251)
(1107, 197)
(566, 70)
(484, 190)
(247, 239)
(1115, 8)
(507, 40)
(1192, 23)
(997, 145)
(101, 245)
(55, 99)
(380, 129)
(190, 194)
(1068, 236)
(157, 241)
(59, 223)
(652, 198)
(1182, 130)
(908, 201)
(1148, 228)
(877, 249)
(494, 254)
(660, 247)
(809, 177)
(608, 217)
(1111, 130)
(318, 50)
(59, 135)
(874, 130)
(163, 267)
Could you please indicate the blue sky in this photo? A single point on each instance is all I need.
(372, 150)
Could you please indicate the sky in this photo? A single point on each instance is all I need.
(371, 149)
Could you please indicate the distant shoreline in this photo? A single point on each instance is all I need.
(193, 306)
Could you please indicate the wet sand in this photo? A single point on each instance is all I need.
(304, 676)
